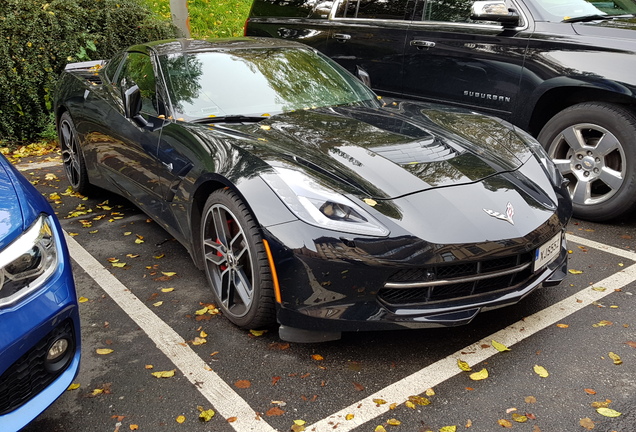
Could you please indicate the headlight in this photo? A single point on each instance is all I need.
(539, 152)
(28, 262)
(319, 206)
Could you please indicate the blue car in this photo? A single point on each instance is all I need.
(39, 317)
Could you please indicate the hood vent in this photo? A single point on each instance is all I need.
(422, 151)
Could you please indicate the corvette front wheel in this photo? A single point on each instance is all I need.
(235, 261)
(72, 155)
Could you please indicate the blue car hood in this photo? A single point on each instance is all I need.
(20, 203)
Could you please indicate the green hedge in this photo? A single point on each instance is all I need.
(38, 38)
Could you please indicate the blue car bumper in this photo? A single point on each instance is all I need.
(29, 382)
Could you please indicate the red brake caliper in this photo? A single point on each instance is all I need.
(230, 224)
(223, 267)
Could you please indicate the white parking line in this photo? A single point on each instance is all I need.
(222, 397)
(442, 370)
(38, 165)
(229, 404)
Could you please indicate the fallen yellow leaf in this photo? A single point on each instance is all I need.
(603, 323)
(169, 274)
(608, 412)
(199, 341)
(118, 264)
(167, 290)
(133, 427)
(349, 417)
(394, 422)
(448, 429)
(379, 401)
(206, 415)
(430, 392)
(73, 386)
(163, 374)
(409, 404)
(379, 428)
(572, 271)
(616, 358)
(504, 423)
(180, 419)
(463, 365)
(317, 357)
(419, 400)
(562, 325)
(519, 418)
(258, 332)
(157, 304)
(103, 351)
(499, 346)
(541, 371)
(82, 299)
(478, 376)
(201, 311)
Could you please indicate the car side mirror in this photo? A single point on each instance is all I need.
(132, 106)
(494, 11)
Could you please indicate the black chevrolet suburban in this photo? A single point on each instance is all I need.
(563, 70)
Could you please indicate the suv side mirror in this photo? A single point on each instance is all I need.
(132, 106)
(494, 10)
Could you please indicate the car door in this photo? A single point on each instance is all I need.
(367, 38)
(127, 153)
(452, 59)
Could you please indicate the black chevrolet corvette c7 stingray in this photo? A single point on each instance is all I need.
(306, 199)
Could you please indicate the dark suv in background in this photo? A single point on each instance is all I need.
(563, 70)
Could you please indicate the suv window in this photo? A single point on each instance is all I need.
(373, 9)
(447, 10)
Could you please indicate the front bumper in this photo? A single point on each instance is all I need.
(28, 382)
(335, 289)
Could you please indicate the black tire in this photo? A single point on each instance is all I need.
(594, 147)
(235, 261)
(72, 155)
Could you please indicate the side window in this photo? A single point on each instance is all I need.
(447, 10)
(112, 67)
(137, 69)
(452, 11)
(373, 9)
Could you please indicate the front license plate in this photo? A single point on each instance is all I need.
(548, 252)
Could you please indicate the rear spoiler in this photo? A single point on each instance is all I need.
(87, 65)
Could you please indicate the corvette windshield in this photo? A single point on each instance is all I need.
(256, 82)
(575, 10)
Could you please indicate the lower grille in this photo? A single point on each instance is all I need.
(28, 376)
(447, 282)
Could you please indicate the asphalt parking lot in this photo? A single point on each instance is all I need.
(144, 300)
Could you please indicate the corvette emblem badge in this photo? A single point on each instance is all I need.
(510, 211)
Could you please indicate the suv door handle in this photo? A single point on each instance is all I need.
(342, 37)
(422, 43)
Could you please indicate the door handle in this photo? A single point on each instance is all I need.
(341, 37)
(419, 44)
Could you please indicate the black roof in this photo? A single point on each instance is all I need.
(176, 46)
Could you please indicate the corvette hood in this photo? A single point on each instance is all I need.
(391, 152)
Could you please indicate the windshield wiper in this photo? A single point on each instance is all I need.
(230, 119)
(586, 18)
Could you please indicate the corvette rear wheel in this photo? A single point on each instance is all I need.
(594, 147)
(72, 156)
(235, 261)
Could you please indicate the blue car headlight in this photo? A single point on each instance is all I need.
(28, 261)
(320, 206)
